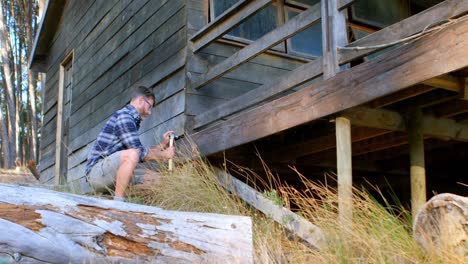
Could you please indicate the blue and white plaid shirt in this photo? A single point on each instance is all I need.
(119, 133)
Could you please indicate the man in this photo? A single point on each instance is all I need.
(118, 149)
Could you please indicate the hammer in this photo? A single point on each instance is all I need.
(173, 137)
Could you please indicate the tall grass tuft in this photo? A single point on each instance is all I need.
(378, 233)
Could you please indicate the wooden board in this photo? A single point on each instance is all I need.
(118, 62)
(297, 224)
(113, 97)
(53, 227)
(274, 87)
(126, 39)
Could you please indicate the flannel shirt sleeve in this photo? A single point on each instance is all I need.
(128, 133)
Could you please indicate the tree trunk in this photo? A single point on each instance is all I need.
(9, 92)
(4, 135)
(32, 86)
(32, 78)
(441, 225)
(39, 225)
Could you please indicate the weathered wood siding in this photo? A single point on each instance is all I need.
(247, 77)
(116, 45)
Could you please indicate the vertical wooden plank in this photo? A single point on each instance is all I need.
(58, 135)
(344, 169)
(62, 116)
(334, 35)
(417, 166)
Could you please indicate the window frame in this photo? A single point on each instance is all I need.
(284, 46)
(61, 148)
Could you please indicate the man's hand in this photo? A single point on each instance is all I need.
(166, 138)
(168, 153)
(157, 153)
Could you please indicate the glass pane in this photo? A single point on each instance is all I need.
(308, 41)
(254, 27)
(379, 13)
(257, 25)
(221, 5)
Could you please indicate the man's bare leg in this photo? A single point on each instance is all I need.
(128, 161)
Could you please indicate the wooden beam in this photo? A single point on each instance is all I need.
(385, 119)
(400, 96)
(291, 221)
(43, 226)
(316, 145)
(451, 108)
(226, 21)
(344, 171)
(444, 128)
(400, 68)
(380, 143)
(417, 167)
(375, 118)
(360, 148)
(284, 83)
(404, 28)
(290, 28)
(446, 82)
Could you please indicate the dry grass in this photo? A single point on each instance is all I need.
(379, 233)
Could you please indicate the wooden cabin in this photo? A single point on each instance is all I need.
(375, 91)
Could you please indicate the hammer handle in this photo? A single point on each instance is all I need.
(171, 144)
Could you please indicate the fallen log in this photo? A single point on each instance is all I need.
(441, 225)
(39, 225)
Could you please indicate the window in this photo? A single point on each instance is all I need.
(379, 14)
(308, 42)
(63, 119)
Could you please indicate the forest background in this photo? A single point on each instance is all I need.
(20, 89)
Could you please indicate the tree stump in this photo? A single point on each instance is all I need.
(39, 225)
(442, 225)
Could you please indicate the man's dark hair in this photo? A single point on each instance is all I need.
(143, 91)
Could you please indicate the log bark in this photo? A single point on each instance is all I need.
(442, 225)
(39, 225)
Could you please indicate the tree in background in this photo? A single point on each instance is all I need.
(19, 101)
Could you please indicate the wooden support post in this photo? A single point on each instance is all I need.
(344, 169)
(417, 169)
(334, 35)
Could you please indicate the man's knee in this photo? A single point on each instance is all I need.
(130, 156)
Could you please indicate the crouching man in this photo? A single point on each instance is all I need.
(118, 149)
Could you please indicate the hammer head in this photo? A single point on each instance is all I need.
(177, 137)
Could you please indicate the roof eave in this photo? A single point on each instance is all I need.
(46, 31)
